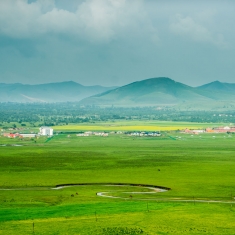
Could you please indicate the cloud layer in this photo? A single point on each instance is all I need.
(113, 42)
(92, 20)
(187, 26)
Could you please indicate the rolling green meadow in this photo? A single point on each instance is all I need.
(198, 169)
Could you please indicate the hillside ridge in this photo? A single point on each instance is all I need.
(162, 91)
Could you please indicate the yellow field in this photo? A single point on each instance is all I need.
(133, 126)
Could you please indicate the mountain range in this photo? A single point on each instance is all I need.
(50, 92)
(164, 91)
(161, 91)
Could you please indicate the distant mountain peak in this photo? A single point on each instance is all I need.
(213, 85)
(218, 86)
(49, 92)
(61, 83)
(70, 82)
(216, 82)
(152, 91)
(158, 79)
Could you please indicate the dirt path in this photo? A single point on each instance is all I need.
(108, 194)
(158, 190)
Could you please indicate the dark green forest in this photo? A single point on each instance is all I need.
(38, 114)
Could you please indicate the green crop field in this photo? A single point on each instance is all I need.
(198, 169)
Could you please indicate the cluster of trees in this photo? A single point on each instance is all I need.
(63, 113)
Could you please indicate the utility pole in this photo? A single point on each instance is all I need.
(95, 217)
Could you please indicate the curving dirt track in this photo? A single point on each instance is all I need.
(154, 188)
(127, 195)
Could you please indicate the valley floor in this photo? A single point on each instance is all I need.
(195, 167)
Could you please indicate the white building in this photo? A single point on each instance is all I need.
(82, 134)
(198, 131)
(45, 130)
(28, 135)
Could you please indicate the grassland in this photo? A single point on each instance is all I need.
(194, 167)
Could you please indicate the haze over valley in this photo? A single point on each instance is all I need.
(50, 92)
(161, 91)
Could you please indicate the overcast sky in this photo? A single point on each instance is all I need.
(115, 42)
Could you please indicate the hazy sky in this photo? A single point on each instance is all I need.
(115, 42)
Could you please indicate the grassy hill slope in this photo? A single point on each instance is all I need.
(51, 92)
(154, 91)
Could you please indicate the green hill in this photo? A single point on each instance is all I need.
(153, 91)
(217, 86)
(51, 92)
(161, 91)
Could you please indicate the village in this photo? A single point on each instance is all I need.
(225, 129)
(105, 134)
(48, 131)
(43, 131)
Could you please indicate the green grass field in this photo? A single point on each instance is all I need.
(199, 167)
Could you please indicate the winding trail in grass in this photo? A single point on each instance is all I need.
(152, 189)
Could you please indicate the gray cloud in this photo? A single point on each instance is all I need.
(95, 20)
(114, 42)
(187, 26)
